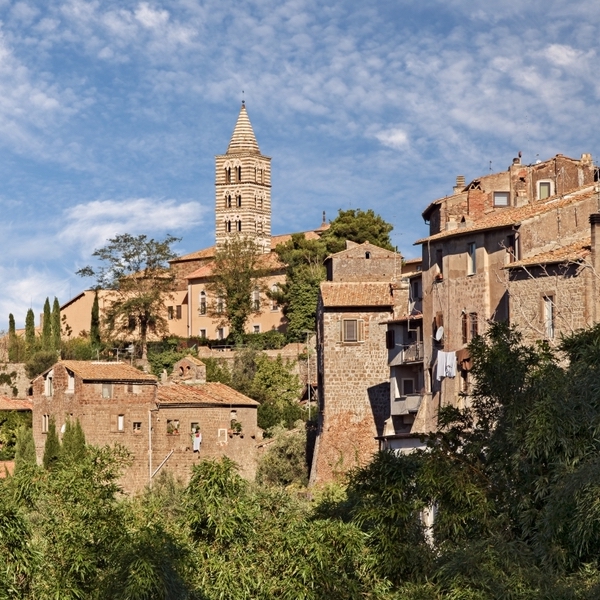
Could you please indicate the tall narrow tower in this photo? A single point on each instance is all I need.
(243, 188)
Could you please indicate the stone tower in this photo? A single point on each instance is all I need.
(243, 188)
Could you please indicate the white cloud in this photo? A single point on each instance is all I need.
(395, 138)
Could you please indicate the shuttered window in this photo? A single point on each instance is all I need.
(352, 330)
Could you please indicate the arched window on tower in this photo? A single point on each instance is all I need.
(255, 175)
(239, 225)
(227, 174)
(238, 200)
(228, 226)
(228, 201)
(238, 172)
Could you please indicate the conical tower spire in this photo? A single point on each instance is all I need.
(243, 138)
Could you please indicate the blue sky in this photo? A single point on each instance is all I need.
(111, 114)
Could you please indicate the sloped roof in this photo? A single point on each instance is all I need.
(511, 216)
(360, 249)
(268, 261)
(574, 252)
(7, 403)
(105, 371)
(203, 393)
(243, 138)
(356, 294)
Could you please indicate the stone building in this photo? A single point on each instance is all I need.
(514, 246)
(118, 404)
(360, 295)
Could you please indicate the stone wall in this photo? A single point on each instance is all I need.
(20, 380)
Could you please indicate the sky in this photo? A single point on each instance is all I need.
(111, 113)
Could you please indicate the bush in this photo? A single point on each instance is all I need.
(39, 362)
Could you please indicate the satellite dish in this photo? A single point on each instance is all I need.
(439, 334)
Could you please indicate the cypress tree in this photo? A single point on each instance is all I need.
(73, 443)
(30, 332)
(56, 324)
(95, 324)
(24, 448)
(13, 344)
(52, 446)
(47, 327)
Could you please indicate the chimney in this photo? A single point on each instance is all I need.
(460, 184)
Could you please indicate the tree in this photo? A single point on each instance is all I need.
(357, 226)
(73, 442)
(56, 337)
(236, 274)
(51, 447)
(30, 340)
(24, 448)
(135, 269)
(95, 323)
(39, 362)
(47, 340)
(13, 342)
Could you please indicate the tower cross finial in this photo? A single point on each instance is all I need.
(243, 99)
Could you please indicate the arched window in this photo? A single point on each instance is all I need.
(228, 201)
(238, 200)
(256, 299)
(202, 303)
(239, 225)
(227, 174)
(239, 173)
(228, 226)
(274, 303)
(367, 255)
(220, 305)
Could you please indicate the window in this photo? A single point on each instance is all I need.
(256, 300)
(169, 313)
(256, 328)
(415, 290)
(390, 339)
(238, 201)
(228, 201)
(228, 226)
(501, 198)
(121, 423)
(203, 333)
(107, 390)
(274, 303)
(512, 248)
(172, 426)
(352, 330)
(408, 387)
(220, 304)
(473, 327)
(130, 388)
(471, 258)
(70, 381)
(45, 423)
(439, 261)
(49, 383)
(238, 173)
(549, 316)
(465, 328)
(220, 333)
(239, 225)
(544, 189)
(227, 174)
(367, 255)
(202, 308)
(178, 312)
(137, 427)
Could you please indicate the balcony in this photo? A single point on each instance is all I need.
(408, 354)
(405, 405)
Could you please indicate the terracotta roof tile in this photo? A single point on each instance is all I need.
(106, 371)
(574, 252)
(356, 294)
(204, 393)
(265, 261)
(509, 216)
(7, 403)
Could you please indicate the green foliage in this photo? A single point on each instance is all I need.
(73, 447)
(56, 325)
(11, 422)
(10, 380)
(95, 339)
(39, 362)
(47, 341)
(16, 350)
(136, 270)
(217, 370)
(24, 448)
(51, 447)
(284, 461)
(236, 273)
(79, 348)
(30, 340)
(164, 360)
(357, 226)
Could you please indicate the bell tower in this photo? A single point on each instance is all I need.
(243, 188)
